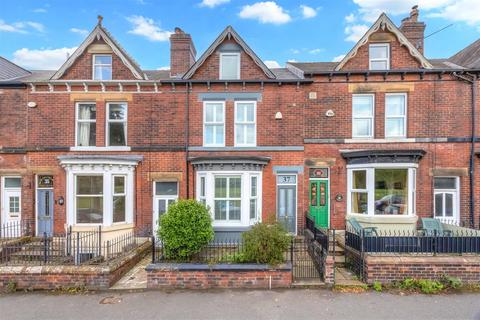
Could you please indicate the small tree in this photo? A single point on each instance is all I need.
(185, 229)
(266, 243)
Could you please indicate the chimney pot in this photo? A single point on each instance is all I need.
(413, 29)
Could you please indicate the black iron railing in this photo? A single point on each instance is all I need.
(16, 229)
(320, 235)
(461, 241)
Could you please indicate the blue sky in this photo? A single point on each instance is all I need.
(38, 34)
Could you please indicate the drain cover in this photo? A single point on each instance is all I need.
(111, 300)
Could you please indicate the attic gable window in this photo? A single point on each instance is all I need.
(230, 66)
(102, 67)
(379, 56)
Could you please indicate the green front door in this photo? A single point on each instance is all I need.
(319, 202)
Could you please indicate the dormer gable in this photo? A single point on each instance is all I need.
(383, 47)
(229, 58)
(99, 57)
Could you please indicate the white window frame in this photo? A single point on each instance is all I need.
(103, 196)
(278, 183)
(228, 197)
(77, 121)
(5, 205)
(372, 117)
(396, 117)
(245, 220)
(253, 197)
(455, 218)
(108, 121)
(221, 65)
(387, 59)
(94, 64)
(214, 123)
(237, 123)
(352, 190)
(167, 198)
(412, 174)
(124, 194)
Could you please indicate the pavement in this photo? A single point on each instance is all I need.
(239, 304)
(136, 278)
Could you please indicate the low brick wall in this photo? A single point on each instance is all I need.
(54, 277)
(203, 276)
(396, 268)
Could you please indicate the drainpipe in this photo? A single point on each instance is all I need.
(472, 79)
(187, 137)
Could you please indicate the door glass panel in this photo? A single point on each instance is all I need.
(14, 204)
(166, 188)
(313, 194)
(439, 205)
(13, 182)
(47, 204)
(448, 205)
(162, 207)
(445, 183)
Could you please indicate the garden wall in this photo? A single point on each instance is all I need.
(93, 277)
(204, 276)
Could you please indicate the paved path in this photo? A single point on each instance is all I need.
(288, 304)
(136, 278)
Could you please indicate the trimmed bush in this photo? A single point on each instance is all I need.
(185, 229)
(265, 243)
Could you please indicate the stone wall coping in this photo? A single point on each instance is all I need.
(427, 260)
(217, 267)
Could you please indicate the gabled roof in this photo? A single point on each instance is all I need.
(468, 57)
(228, 33)
(384, 22)
(10, 71)
(99, 32)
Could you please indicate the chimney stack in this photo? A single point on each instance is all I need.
(413, 29)
(182, 53)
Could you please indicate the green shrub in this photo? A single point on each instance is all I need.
(185, 229)
(451, 282)
(377, 286)
(265, 243)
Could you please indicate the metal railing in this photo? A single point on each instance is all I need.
(16, 229)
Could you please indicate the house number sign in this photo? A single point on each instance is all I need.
(286, 179)
(318, 173)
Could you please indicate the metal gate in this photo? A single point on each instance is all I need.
(307, 258)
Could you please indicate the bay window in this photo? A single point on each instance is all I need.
(395, 115)
(117, 124)
(214, 124)
(363, 115)
(86, 113)
(232, 196)
(245, 127)
(381, 189)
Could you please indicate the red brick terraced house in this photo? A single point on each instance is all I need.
(385, 135)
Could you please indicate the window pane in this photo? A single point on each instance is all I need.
(209, 131)
(395, 127)
(14, 204)
(119, 209)
(240, 115)
(202, 186)
(87, 134)
(439, 205)
(378, 65)
(220, 187)
(235, 187)
(13, 182)
(378, 52)
(448, 205)
(219, 112)
(234, 210)
(391, 191)
(240, 134)
(359, 202)
(253, 208)
(119, 184)
(103, 60)
(89, 209)
(209, 112)
(253, 187)
(103, 73)
(229, 65)
(219, 134)
(117, 111)
(90, 185)
(395, 105)
(445, 183)
(117, 134)
(362, 127)
(166, 188)
(359, 179)
(250, 112)
(162, 207)
(220, 209)
(250, 133)
(362, 106)
(87, 111)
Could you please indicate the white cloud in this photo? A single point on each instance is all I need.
(355, 32)
(462, 10)
(164, 68)
(272, 64)
(351, 18)
(47, 59)
(265, 12)
(82, 32)
(147, 28)
(292, 60)
(40, 10)
(338, 58)
(308, 12)
(315, 51)
(213, 3)
(21, 27)
(295, 51)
